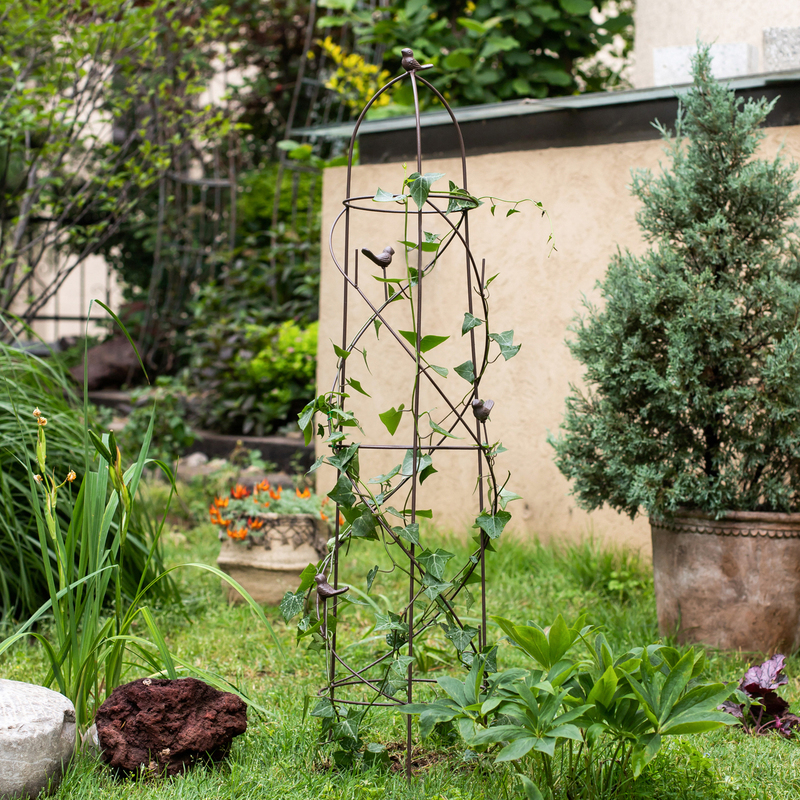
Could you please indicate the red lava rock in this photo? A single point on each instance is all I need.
(166, 725)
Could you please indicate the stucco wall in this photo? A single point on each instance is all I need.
(674, 23)
(585, 191)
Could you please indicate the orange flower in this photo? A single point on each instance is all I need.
(239, 492)
(241, 533)
(326, 501)
(265, 504)
(263, 486)
(221, 502)
(304, 494)
(276, 495)
(322, 516)
(341, 519)
(255, 524)
(214, 513)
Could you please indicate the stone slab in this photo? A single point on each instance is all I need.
(781, 49)
(37, 738)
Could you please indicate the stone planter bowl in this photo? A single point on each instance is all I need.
(267, 571)
(731, 583)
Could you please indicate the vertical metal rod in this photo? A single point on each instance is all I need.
(342, 384)
(415, 439)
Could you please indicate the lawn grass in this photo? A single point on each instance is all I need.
(281, 757)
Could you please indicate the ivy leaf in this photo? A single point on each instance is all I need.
(439, 429)
(357, 385)
(419, 186)
(427, 472)
(342, 493)
(377, 323)
(305, 421)
(506, 496)
(466, 371)
(364, 526)
(292, 604)
(423, 460)
(430, 245)
(391, 418)
(426, 343)
(341, 459)
(439, 370)
(506, 341)
(371, 577)
(316, 465)
(410, 533)
(346, 728)
(463, 201)
(400, 666)
(433, 586)
(307, 577)
(324, 709)
(435, 561)
(382, 196)
(493, 525)
(469, 323)
(390, 622)
(339, 352)
(387, 477)
(461, 637)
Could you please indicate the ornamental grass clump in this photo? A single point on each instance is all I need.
(693, 362)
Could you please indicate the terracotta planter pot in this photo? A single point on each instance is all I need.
(732, 583)
(270, 569)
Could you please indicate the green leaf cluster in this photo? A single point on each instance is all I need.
(249, 378)
(693, 359)
(607, 714)
(500, 49)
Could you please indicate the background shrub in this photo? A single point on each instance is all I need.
(251, 378)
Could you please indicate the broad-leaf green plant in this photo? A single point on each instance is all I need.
(578, 722)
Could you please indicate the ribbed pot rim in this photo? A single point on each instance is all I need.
(754, 524)
(731, 516)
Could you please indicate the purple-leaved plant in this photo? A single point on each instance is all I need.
(758, 706)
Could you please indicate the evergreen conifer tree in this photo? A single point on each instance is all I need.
(693, 362)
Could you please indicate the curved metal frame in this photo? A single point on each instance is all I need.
(475, 283)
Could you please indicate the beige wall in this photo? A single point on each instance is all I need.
(673, 23)
(585, 191)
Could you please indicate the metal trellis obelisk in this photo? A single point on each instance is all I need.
(388, 676)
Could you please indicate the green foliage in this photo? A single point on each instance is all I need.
(25, 382)
(608, 713)
(88, 648)
(496, 50)
(251, 378)
(172, 434)
(692, 363)
(64, 77)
